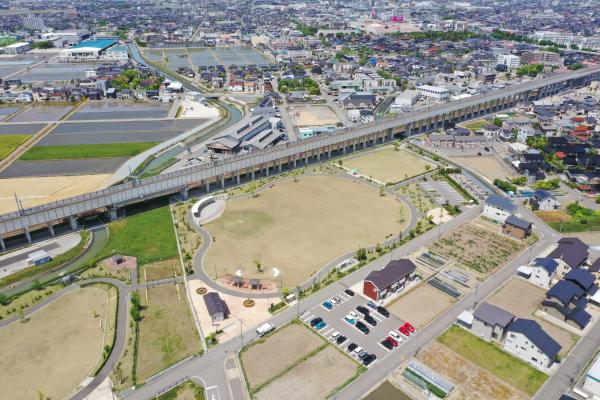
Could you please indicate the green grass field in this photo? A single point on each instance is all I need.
(476, 125)
(82, 151)
(494, 360)
(9, 143)
(149, 236)
(167, 332)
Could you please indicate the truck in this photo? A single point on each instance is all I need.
(264, 329)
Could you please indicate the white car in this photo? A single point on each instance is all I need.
(334, 335)
(357, 350)
(396, 336)
(353, 315)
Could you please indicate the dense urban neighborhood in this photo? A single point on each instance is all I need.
(319, 199)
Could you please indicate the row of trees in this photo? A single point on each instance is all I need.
(308, 84)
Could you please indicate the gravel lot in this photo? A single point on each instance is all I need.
(265, 360)
(421, 305)
(20, 169)
(314, 378)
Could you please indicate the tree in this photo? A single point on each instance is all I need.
(361, 254)
(597, 202)
(498, 122)
(258, 265)
(4, 300)
(36, 285)
(285, 292)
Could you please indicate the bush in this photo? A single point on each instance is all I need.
(505, 185)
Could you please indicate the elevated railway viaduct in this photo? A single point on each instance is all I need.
(287, 156)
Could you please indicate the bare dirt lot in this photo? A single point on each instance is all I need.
(40, 190)
(314, 115)
(421, 305)
(160, 270)
(270, 357)
(471, 381)
(522, 299)
(477, 248)
(55, 350)
(314, 378)
(388, 165)
(298, 227)
(488, 166)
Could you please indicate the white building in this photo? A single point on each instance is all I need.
(436, 93)
(510, 60)
(406, 99)
(543, 271)
(592, 379)
(568, 39)
(527, 340)
(116, 53)
(16, 48)
(498, 208)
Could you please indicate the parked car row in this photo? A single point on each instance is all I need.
(334, 302)
(359, 353)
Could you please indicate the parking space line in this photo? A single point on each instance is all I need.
(327, 332)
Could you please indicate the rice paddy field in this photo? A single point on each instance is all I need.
(203, 57)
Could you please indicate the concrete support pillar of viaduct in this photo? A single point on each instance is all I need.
(51, 228)
(2, 245)
(237, 178)
(222, 181)
(329, 153)
(279, 167)
(294, 161)
(207, 185)
(184, 193)
(74, 224)
(112, 214)
(27, 235)
(266, 173)
(318, 155)
(306, 159)
(252, 174)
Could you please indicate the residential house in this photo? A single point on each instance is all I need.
(527, 340)
(568, 298)
(490, 322)
(498, 208)
(392, 278)
(543, 271)
(544, 201)
(517, 227)
(570, 253)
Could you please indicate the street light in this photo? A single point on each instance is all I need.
(241, 330)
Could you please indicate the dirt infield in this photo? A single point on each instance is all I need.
(55, 350)
(40, 190)
(421, 305)
(314, 378)
(477, 248)
(522, 299)
(298, 227)
(388, 165)
(472, 382)
(313, 116)
(272, 356)
(488, 166)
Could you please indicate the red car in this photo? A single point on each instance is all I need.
(392, 341)
(406, 329)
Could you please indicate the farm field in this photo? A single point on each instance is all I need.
(387, 391)
(472, 382)
(62, 168)
(283, 228)
(33, 191)
(491, 358)
(9, 143)
(86, 151)
(475, 125)
(120, 110)
(313, 378)
(20, 129)
(476, 248)
(167, 331)
(65, 333)
(315, 115)
(487, 166)
(269, 357)
(54, 73)
(421, 305)
(523, 299)
(42, 114)
(387, 165)
(149, 236)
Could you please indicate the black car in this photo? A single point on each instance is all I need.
(370, 320)
(387, 344)
(349, 292)
(362, 327)
(383, 311)
(352, 346)
(368, 360)
(341, 339)
(315, 321)
(363, 310)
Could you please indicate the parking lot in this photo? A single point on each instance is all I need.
(444, 192)
(336, 322)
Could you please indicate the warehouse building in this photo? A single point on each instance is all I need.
(88, 50)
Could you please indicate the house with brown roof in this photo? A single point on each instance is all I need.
(392, 278)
